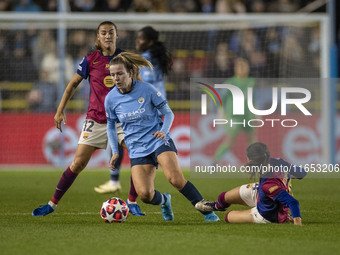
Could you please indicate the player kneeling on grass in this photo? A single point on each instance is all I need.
(270, 198)
(135, 104)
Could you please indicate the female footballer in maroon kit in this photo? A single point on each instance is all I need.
(270, 198)
(95, 67)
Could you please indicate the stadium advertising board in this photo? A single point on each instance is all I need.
(34, 140)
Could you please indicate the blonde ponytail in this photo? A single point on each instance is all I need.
(131, 61)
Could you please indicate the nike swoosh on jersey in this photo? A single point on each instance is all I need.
(95, 62)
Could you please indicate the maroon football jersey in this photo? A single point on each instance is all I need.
(95, 68)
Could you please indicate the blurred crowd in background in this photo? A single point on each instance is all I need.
(158, 6)
(31, 56)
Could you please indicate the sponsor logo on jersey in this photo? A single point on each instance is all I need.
(159, 93)
(95, 62)
(141, 100)
(272, 189)
(133, 113)
(108, 82)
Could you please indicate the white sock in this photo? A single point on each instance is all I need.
(114, 183)
(131, 203)
(53, 205)
(163, 200)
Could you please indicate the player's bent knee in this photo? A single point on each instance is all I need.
(146, 196)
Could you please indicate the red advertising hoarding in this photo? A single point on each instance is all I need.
(32, 139)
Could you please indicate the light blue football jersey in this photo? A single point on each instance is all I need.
(137, 113)
(155, 76)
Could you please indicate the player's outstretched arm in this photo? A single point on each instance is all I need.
(285, 198)
(68, 93)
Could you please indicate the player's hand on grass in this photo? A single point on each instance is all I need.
(58, 118)
(159, 134)
(297, 221)
(113, 160)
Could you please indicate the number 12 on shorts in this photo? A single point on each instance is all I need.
(88, 124)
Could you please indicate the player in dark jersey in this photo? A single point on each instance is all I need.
(270, 198)
(136, 105)
(94, 67)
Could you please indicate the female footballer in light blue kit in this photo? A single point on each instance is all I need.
(157, 54)
(135, 104)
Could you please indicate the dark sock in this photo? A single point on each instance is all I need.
(65, 182)
(157, 198)
(192, 194)
(114, 175)
(132, 194)
(221, 203)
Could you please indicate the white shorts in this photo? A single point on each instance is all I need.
(95, 134)
(257, 216)
(249, 193)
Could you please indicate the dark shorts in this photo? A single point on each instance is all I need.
(151, 159)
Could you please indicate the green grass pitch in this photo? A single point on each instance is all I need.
(76, 227)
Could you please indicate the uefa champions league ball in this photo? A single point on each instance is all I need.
(114, 210)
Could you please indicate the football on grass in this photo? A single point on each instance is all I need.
(114, 210)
